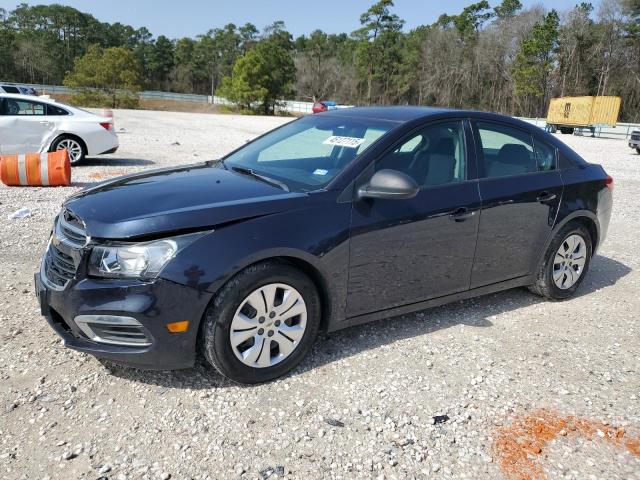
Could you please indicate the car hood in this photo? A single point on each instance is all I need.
(176, 199)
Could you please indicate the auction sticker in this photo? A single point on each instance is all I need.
(349, 142)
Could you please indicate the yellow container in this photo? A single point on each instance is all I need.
(583, 111)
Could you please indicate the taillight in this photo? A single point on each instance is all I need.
(106, 125)
(609, 182)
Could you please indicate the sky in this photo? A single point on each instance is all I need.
(188, 18)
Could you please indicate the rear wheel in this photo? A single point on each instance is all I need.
(75, 147)
(262, 323)
(565, 264)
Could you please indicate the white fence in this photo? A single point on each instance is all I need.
(292, 106)
(620, 130)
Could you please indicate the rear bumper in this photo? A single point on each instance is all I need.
(111, 150)
(152, 304)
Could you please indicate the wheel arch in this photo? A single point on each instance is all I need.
(585, 217)
(62, 135)
(296, 259)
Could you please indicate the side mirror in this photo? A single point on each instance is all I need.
(390, 184)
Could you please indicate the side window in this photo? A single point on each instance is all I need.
(433, 156)
(545, 156)
(506, 151)
(24, 107)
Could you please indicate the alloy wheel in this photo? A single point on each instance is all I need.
(73, 147)
(268, 325)
(569, 261)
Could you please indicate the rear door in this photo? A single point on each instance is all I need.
(410, 250)
(521, 189)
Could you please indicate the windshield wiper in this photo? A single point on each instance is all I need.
(263, 178)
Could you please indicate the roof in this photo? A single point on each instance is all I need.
(33, 98)
(394, 114)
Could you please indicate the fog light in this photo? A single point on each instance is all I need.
(177, 327)
(113, 329)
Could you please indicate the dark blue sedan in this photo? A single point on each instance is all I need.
(329, 221)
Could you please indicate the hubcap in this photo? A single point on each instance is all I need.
(569, 261)
(73, 147)
(268, 325)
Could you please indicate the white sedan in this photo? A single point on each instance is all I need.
(30, 125)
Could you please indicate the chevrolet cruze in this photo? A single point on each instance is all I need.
(327, 222)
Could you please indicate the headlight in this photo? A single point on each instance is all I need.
(139, 260)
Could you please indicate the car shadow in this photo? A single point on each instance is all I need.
(604, 272)
(113, 162)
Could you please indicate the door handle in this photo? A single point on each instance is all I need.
(546, 197)
(461, 214)
(44, 122)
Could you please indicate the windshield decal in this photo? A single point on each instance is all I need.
(349, 142)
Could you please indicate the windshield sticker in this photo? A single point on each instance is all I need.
(349, 142)
(320, 171)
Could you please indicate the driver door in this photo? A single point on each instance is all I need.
(411, 250)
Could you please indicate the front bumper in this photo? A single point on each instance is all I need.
(152, 304)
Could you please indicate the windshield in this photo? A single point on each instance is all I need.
(308, 153)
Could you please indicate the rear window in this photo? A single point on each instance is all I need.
(10, 89)
(56, 111)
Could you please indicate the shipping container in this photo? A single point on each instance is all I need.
(568, 113)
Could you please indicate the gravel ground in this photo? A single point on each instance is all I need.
(501, 372)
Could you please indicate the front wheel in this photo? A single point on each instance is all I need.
(565, 264)
(262, 323)
(638, 150)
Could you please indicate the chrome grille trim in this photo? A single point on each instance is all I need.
(70, 230)
(113, 330)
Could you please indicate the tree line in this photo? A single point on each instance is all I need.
(502, 58)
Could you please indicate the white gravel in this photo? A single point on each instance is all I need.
(362, 405)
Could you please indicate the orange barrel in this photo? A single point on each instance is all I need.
(35, 169)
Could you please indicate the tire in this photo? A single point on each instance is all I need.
(638, 150)
(566, 130)
(233, 304)
(545, 285)
(75, 146)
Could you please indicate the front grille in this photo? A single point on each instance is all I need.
(58, 267)
(635, 137)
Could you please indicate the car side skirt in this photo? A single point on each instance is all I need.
(435, 302)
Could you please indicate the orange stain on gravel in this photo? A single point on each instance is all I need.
(520, 447)
(108, 174)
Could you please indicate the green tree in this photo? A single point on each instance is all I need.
(160, 61)
(534, 62)
(377, 53)
(114, 71)
(508, 9)
(262, 76)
